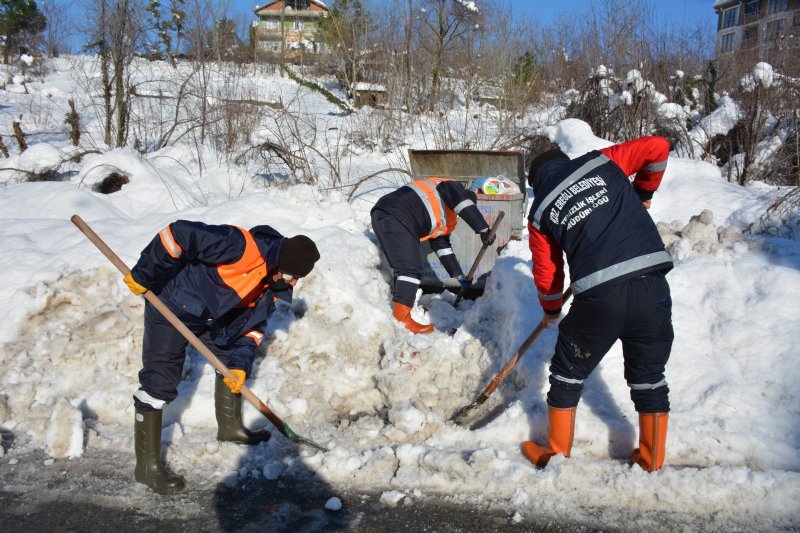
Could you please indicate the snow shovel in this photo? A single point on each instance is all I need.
(461, 415)
(478, 258)
(193, 340)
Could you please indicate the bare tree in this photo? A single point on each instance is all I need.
(116, 29)
(168, 26)
(345, 30)
(408, 56)
(442, 24)
(59, 23)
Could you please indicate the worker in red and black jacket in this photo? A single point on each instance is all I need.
(589, 210)
(222, 282)
(424, 210)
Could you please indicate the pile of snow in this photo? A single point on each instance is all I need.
(701, 236)
(39, 160)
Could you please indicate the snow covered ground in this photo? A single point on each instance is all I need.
(340, 371)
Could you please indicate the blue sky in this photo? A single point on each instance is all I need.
(682, 12)
(688, 13)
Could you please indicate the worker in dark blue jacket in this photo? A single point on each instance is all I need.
(222, 282)
(588, 210)
(423, 210)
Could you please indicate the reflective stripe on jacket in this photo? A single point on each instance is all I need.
(443, 219)
(246, 276)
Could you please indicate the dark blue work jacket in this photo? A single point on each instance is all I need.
(591, 210)
(216, 277)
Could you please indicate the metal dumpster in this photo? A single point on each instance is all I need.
(467, 166)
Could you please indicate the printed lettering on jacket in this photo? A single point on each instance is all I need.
(595, 194)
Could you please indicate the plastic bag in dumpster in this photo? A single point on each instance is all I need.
(494, 185)
(468, 166)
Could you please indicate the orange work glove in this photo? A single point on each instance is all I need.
(135, 288)
(236, 384)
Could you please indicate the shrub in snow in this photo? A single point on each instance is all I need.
(782, 218)
(108, 172)
(113, 182)
(620, 109)
(39, 162)
(750, 133)
(758, 141)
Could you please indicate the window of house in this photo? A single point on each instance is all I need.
(777, 6)
(272, 24)
(750, 36)
(298, 24)
(730, 17)
(774, 29)
(751, 8)
(726, 42)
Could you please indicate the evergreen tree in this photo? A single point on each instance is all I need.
(525, 69)
(19, 21)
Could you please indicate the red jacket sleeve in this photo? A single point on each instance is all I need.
(548, 269)
(646, 157)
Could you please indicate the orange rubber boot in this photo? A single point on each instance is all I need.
(559, 437)
(403, 314)
(652, 441)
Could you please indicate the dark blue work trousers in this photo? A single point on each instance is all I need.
(402, 251)
(163, 354)
(638, 312)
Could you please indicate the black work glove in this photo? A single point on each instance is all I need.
(485, 237)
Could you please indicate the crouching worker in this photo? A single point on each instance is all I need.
(587, 209)
(423, 210)
(222, 282)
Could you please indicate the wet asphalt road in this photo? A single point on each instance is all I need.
(95, 493)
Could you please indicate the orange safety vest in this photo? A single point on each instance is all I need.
(443, 219)
(245, 275)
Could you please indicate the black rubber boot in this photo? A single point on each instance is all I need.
(229, 417)
(149, 470)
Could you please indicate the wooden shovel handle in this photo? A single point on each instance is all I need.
(516, 357)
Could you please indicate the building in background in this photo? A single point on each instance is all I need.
(759, 30)
(287, 29)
